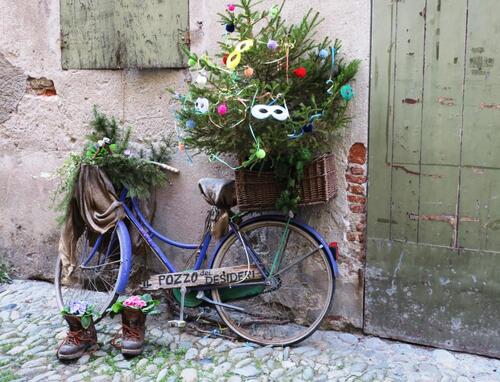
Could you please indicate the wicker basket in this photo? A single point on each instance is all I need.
(258, 191)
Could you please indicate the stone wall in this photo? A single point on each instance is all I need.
(44, 117)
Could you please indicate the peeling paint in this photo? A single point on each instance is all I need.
(446, 101)
(410, 101)
(400, 167)
(489, 106)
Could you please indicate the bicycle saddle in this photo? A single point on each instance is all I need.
(218, 192)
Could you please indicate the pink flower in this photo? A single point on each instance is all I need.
(134, 302)
(231, 7)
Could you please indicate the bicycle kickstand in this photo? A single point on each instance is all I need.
(180, 323)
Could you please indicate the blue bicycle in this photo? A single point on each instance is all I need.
(271, 278)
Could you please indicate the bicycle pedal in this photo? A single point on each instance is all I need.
(177, 323)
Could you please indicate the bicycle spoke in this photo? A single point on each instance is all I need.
(300, 289)
(95, 281)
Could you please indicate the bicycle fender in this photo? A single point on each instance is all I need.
(283, 219)
(125, 255)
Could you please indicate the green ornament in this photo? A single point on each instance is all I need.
(192, 61)
(273, 12)
(261, 154)
(90, 152)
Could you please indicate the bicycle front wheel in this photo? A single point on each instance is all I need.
(301, 291)
(100, 265)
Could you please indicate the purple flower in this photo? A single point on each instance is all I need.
(272, 44)
(78, 307)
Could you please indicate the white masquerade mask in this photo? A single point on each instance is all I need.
(201, 105)
(264, 111)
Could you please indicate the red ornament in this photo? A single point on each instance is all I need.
(300, 72)
(224, 59)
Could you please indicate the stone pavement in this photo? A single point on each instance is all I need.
(30, 329)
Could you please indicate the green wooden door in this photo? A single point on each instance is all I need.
(433, 261)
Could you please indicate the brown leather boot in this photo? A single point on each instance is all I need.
(133, 331)
(78, 340)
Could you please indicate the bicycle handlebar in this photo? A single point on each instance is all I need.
(166, 167)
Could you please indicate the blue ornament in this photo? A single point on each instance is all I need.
(346, 92)
(323, 53)
(308, 128)
(230, 28)
(190, 124)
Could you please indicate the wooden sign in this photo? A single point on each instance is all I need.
(204, 277)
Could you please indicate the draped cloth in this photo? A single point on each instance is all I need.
(94, 205)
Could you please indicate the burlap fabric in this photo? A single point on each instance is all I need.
(221, 194)
(94, 205)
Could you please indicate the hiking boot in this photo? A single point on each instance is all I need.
(78, 341)
(133, 331)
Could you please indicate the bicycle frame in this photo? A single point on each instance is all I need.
(148, 233)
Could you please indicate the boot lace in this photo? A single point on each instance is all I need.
(74, 337)
(130, 332)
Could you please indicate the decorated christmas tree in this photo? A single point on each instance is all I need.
(274, 97)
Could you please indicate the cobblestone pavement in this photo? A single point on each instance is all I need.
(30, 330)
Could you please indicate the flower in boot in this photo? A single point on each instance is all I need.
(78, 308)
(134, 302)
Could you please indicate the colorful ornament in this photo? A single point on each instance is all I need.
(182, 147)
(201, 105)
(279, 113)
(230, 28)
(222, 109)
(234, 57)
(192, 61)
(323, 53)
(190, 124)
(346, 92)
(261, 154)
(300, 72)
(272, 44)
(248, 72)
(231, 7)
(224, 59)
(273, 12)
(201, 79)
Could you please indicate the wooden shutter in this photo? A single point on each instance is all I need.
(114, 34)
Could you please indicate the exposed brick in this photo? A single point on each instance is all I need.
(360, 227)
(357, 209)
(356, 189)
(357, 170)
(40, 86)
(355, 236)
(356, 179)
(352, 236)
(356, 199)
(357, 153)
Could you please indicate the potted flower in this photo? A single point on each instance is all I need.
(134, 310)
(82, 336)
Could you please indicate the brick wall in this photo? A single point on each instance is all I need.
(356, 197)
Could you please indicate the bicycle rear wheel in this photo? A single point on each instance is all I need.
(292, 308)
(101, 264)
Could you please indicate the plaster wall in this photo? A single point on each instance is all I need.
(42, 130)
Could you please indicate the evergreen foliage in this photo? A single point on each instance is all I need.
(285, 66)
(124, 167)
